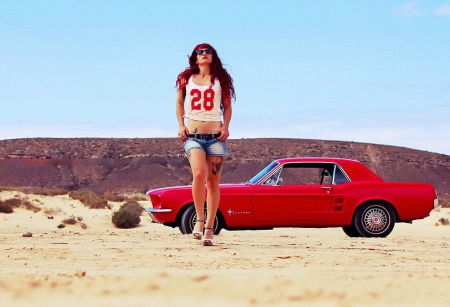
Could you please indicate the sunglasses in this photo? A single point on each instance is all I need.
(207, 51)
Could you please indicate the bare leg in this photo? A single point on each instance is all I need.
(214, 171)
(197, 159)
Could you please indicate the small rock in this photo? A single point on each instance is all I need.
(61, 226)
(80, 273)
(28, 234)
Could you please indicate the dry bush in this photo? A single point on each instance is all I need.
(132, 206)
(444, 221)
(13, 202)
(46, 192)
(90, 199)
(30, 206)
(109, 196)
(8, 205)
(8, 188)
(139, 198)
(50, 211)
(444, 203)
(70, 221)
(125, 219)
(5, 207)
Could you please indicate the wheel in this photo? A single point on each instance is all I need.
(374, 220)
(189, 218)
(351, 231)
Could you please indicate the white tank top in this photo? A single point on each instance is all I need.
(203, 101)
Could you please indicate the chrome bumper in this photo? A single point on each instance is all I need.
(153, 210)
(436, 203)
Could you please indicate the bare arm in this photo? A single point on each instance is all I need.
(226, 121)
(179, 106)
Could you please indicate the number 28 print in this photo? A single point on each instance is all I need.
(207, 102)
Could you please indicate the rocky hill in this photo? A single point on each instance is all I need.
(138, 165)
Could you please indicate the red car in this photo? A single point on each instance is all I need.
(304, 192)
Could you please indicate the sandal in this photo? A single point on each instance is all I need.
(208, 241)
(198, 234)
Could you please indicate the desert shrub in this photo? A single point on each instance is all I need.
(139, 198)
(5, 208)
(444, 221)
(52, 210)
(8, 188)
(70, 221)
(113, 197)
(13, 202)
(125, 219)
(444, 203)
(46, 192)
(30, 206)
(90, 199)
(8, 205)
(132, 206)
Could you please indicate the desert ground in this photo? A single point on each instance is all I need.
(154, 265)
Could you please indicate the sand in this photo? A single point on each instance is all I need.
(154, 265)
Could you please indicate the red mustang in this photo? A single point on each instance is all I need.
(304, 192)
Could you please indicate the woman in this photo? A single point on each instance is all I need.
(209, 89)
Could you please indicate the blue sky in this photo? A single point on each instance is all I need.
(363, 71)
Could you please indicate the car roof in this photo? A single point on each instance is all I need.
(315, 160)
(354, 169)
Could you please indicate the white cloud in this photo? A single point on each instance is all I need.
(443, 10)
(410, 10)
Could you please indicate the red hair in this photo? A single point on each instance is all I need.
(217, 71)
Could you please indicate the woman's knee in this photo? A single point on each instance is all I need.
(212, 182)
(199, 176)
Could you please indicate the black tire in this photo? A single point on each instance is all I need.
(351, 231)
(189, 218)
(375, 219)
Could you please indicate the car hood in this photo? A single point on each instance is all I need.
(189, 187)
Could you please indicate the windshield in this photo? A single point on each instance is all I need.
(262, 173)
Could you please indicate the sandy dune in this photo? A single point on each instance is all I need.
(154, 265)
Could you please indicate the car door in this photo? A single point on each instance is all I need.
(301, 194)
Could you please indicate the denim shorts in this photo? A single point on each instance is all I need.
(211, 147)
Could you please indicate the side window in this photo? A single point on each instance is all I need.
(307, 174)
(303, 175)
(273, 179)
(339, 177)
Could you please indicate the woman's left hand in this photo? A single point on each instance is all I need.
(224, 134)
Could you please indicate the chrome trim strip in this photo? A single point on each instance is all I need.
(342, 171)
(153, 210)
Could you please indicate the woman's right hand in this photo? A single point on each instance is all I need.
(183, 133)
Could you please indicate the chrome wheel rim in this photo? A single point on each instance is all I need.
(375, 220)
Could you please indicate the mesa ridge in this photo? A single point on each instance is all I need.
(140, 164)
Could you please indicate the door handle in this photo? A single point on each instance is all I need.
(328, 189)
